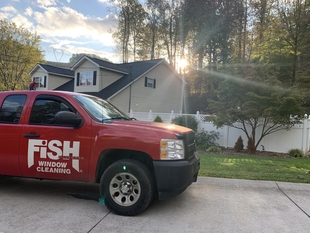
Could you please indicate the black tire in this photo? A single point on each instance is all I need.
(127, 187)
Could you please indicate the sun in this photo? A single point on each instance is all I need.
(182, 63)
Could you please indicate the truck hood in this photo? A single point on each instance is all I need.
(154, 126)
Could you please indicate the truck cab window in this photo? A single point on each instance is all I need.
(44, 111)
(11, 109)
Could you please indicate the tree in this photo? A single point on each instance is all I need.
(256, 102)
(152, 25)
(131, 23)
(210, 27)
(20, 51)
(295, 18)
(77, 56)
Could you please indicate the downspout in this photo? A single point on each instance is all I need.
(182, 99)
(130, 79)
(183, 89)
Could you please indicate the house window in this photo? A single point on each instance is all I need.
(150, 82)
(87, 78)
(40, 81)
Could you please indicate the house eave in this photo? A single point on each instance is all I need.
(37, 66)
(96, 64)
(133, 81)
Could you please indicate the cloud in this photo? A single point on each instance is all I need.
(28, 12)
(7, 12)
(8, 9)
(66, 22)
(46, 3)
(63, 47)
(64, 29)
(21, 20)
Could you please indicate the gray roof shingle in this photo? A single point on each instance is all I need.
(132, 71)
(136, 69)
(58, 71)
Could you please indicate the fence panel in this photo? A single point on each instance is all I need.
(282, 141)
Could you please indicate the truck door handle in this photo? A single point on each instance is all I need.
(31, 135)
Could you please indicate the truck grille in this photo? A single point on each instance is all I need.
(190, 145)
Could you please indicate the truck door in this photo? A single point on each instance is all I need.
(10, 114)
(50, 150)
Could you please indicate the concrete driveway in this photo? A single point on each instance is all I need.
(210, 205)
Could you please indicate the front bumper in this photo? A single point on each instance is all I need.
(173, 177)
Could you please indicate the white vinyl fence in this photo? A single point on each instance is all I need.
(281, 141)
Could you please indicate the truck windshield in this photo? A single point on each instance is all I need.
(100, 110)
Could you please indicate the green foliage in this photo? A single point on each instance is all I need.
(256, 100)
(20, 52)
(158, 119)
(205, 140)
(131, 35)
(296, 153)
(187, 121)
(239, 144)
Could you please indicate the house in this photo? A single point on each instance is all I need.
(50, 77)
(139, 86)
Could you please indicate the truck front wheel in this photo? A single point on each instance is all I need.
(127, 187)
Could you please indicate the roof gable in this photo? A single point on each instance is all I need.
(119, 68)
(53, 70)
(131, 73)
(137, 70)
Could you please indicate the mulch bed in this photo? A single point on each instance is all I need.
(263, 154)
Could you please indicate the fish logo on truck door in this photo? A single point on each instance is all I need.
(54, 155)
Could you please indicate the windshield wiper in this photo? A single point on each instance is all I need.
(118, 118)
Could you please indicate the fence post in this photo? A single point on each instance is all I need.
(150, 116)
(226, 136)
(198, 116)
(171, 116)
(305, 135)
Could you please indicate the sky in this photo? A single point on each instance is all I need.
(66, 27)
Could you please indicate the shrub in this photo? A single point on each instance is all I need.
(251, 146)
(205, 139)
(239, 144)
(214, 149)
(296, 153)
(158, 119)
(187, 121)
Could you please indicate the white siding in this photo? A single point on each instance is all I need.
(121, 100)
(87, 66)
(104, 77)
(54, 81)
(108, 77)
(165, 97)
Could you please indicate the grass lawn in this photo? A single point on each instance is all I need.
(255, 168)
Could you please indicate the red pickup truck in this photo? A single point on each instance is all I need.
(73, 136)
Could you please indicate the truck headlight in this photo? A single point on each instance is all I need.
(171, 149)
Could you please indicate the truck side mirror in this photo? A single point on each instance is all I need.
(68, 118)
